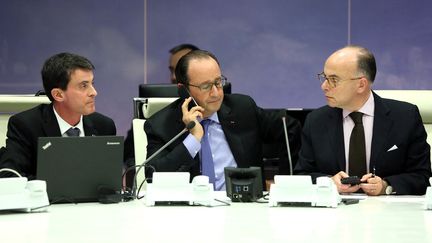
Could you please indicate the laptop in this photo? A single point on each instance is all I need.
(79, 169)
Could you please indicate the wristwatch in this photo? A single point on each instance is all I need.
(387, 189)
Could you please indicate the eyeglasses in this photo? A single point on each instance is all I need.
(332, 81)
(219, 83)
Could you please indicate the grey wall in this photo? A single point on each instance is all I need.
(271, 50)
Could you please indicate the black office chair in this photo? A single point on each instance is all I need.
(275, 160)
(40, 92)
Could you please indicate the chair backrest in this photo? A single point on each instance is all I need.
(421, 98)
(149, 107)
(153, 105)
(140, 145)
(12, 104)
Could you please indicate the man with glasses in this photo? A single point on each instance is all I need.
(381, 141)
(175, 54)
(228, 128)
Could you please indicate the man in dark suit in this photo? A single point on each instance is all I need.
(237, 127)
(68, 83)
(395, 156)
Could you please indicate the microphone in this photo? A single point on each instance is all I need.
(287, 144)
(189, 126)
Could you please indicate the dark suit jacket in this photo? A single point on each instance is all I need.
(26, 127)
(407, 169)
(245, 125)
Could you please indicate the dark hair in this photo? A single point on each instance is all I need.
(366, 62)
(183, 64)
(57, 70)
(180, 47)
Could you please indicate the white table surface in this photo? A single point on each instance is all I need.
(375, 219)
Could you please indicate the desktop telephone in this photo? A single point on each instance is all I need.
(16, 193)
(298, 189)
(175, 187)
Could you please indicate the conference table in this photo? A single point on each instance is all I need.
(374, 219)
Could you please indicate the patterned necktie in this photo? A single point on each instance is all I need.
(73, 132)
(357, 147)
(207, 164)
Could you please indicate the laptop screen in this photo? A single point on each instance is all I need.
(76, 169)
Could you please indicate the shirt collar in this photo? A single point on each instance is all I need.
(214, 117)
(64, 126)
(367, 109)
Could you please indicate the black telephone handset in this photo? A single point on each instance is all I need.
(184, 94)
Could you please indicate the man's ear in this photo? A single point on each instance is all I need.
(57, 94)
(363, 84)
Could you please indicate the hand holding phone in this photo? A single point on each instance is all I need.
(190, 114)
(351, 180)
(184, 94)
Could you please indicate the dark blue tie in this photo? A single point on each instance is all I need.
(73, 132)
(206, 154)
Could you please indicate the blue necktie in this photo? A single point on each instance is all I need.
(207, 164)
(73, 132)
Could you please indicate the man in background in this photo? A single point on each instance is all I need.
(358, 133)
(68, 80)
(176, 53)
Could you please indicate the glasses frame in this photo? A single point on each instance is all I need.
(333, 83)
(206, 87)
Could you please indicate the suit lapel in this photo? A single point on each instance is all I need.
(89, 128)
(229, 122)
(50, 124)
(381, 126)
(336, 137)
(179, 125)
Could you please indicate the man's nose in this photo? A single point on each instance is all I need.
(214, 90)
(93, 91)
(325, 85)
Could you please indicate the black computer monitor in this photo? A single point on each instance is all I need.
(157, 90)
(166, 90)
(243, 184)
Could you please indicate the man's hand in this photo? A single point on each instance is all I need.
(341, 187)
(373, 185)
(192, 115)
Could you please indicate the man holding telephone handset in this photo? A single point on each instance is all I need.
(229, 129)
